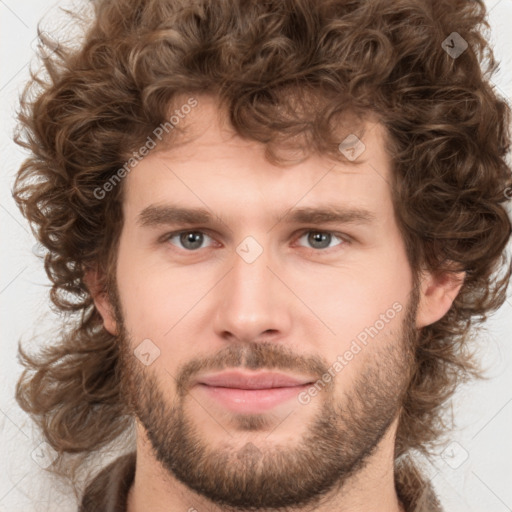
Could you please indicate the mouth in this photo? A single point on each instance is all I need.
(251, 392)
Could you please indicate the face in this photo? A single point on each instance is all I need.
(262, 286)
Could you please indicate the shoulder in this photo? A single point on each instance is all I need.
(108, 490)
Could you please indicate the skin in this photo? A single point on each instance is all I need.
(294, 309)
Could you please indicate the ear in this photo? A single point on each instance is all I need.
(101, 301)
(437, 293)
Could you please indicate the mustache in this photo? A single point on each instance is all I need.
(252, 356)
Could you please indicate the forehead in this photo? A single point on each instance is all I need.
(215, 168)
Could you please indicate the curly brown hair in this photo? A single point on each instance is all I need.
(286, 71)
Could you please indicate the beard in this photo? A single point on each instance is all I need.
(337, 444)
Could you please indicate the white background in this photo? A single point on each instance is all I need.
(473, 474)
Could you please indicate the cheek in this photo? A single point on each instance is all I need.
(147, 287)
(161, 305)
(358, 295)
(364, 307)
(144, 298)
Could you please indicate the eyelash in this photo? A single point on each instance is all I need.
(345, 239)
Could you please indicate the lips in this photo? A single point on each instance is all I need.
(261, 380)
(251, 392)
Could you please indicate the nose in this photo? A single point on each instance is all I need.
(253, 304)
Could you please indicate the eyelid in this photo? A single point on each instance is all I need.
(167, 236)
(344, 236)
(346, 239)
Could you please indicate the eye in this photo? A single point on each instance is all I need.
(193, 240)
(322, 239)
(189, 240)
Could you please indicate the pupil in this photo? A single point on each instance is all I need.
(316, 238)
(192, 238)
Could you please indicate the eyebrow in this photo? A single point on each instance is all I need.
(157, 215)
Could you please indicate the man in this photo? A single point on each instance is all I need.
(278, 222)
